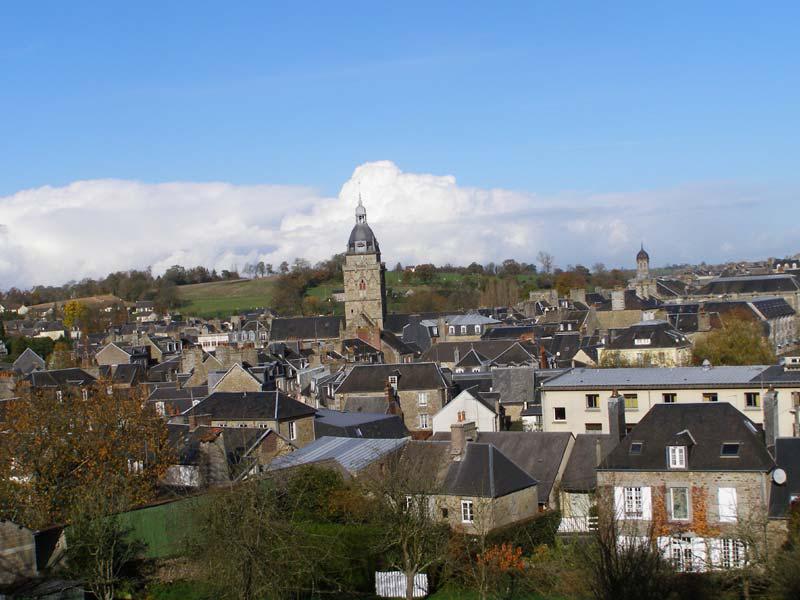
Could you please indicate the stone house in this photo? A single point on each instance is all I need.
(470, 485)
(208, 456)
(419, 389)
(236, 379)
(653, 343)
(292, 420)
(115, 354)
(694, 479)
(26, 553)
(470, 405)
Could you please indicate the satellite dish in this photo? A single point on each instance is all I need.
(779, 476)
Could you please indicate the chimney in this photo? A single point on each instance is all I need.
(618, 299)
(771, 429)
(578, 295)
(542, 357)
(442, 327)
(456, 355)
(616, 416)
(500, 412)
(703, 319)
(460, 434)
(598, 452)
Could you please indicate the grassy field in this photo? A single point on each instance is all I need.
(223, 298)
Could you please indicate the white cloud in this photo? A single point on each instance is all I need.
(89, 228)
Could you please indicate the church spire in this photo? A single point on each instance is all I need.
(361, 212)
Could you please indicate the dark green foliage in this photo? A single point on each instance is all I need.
(307, 491)
(535, 532)
(42, 346)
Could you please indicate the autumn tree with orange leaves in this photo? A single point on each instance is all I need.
(56, 444)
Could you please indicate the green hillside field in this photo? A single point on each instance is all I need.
(223, 298)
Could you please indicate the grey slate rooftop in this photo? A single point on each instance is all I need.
(629, 378)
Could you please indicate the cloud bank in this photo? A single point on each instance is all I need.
(51, 235)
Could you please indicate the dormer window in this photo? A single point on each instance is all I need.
(451, 330)
(677, 457)
(641, 342)
(463, 329)
(636, 447)
(477, 328)
(729, 449)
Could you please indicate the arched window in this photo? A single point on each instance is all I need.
(362, 285)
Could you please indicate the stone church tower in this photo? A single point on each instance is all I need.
(644, 285)
(364, 283)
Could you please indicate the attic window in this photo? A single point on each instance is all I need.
(642, 341)
(729, 449)
(677, 457)
(636, 447)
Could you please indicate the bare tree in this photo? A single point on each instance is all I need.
(545, 260)
(405, 493)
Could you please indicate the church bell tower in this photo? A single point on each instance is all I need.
(364, 282)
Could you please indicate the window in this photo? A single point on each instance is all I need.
(423, 421)
(592, 401)
(559, 413)
(393, 380)
(435, 331)
(669, 398)
(477, 328)
(752, 400)
(631, 402)
(677, 457)
(710, 397)
(451, 330)
(594, 427)
(636, 447)
(726, 497)
(292, 430)
(681, 553)
(409, 502)
(633, 502)
(462, 416)
(679, 504)
(731, 553)
(85, 394)
(729, 449)
(445, 513)
(467, 511)
(463, 329)
(422, 398)
(59, 395)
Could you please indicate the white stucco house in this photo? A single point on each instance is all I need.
(470, 405)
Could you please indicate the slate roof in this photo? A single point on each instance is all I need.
(750, 284)
(507, 332)
(516, 355)
(580, 475)
(305, 328)
(444, 351)
(659, 333)
(773, 308)
(787, 456)
(472, 359)
(564, 346)
(28, 361)
(538, 453)
(396, 344)
(125, 373)
(709, 424)
(395, 322)
(246, 406)
(352, 454)
(514, 384)
(485, 472)
(358, 425)
(671, 377)
(60, 378)
(176, 393)
(411, 376)
(670, 287)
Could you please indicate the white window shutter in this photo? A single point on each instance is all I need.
(715, 553)
(727, 504)
(647, 510)
(619, 502)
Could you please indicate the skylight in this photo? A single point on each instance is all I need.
(636, 447)
(729, 449)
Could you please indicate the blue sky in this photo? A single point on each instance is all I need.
(549, 98)
(545, 96)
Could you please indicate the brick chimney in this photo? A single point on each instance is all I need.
(542, 357)
(578, 295)
(460, 434)
(616, 416)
